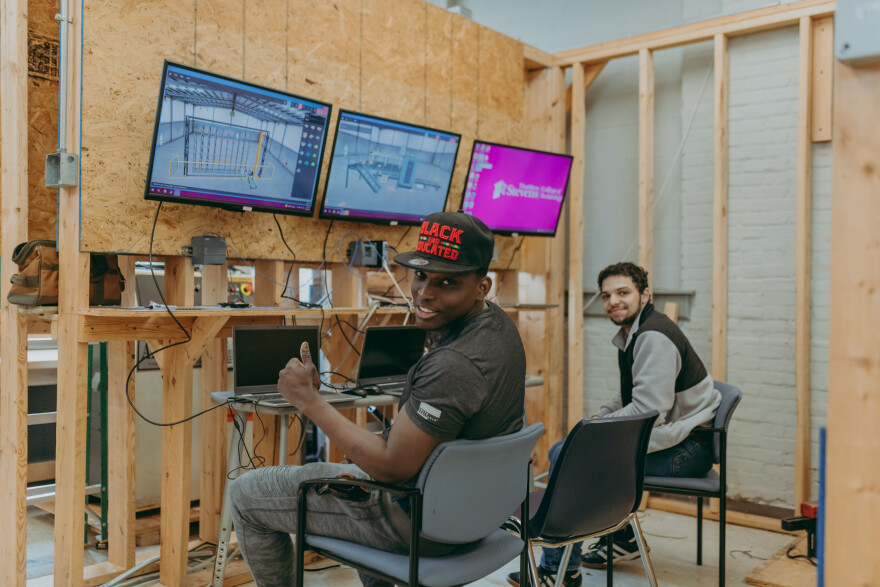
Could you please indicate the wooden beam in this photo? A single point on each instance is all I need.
(576, 252)
(213, 429)
(852, 450)
(535, 58)
(13, 332)
(822, 82)
(646, 162)
(541, 278)
(268, 285)
(177, 382)
(743, 23)
(73, 294)
(719, 210)
(591, 72)
(121, 439)
(204, 329)
(803, 244)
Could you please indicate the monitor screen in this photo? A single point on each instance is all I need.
(260, 352)
(387, 172)
(224, 142)
(514, 190)
(389, 352)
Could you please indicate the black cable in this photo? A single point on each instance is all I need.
(322, 568)
(401, 238)
(515, 251)
(345, 336)
(324, 263)
(150, 354)
(302, 434)
(809, 559)
(350, 325)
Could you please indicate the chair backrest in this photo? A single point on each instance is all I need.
(730, 396)
(597, 478)
(470, 487)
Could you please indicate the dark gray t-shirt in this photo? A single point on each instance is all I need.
(471, 383)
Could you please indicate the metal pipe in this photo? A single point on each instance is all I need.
(64, 19)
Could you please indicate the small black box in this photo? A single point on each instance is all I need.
(208, 250)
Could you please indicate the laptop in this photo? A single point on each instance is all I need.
(387, 356)
(260, 352)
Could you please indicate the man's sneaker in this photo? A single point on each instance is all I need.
(597, 556)
(548, 578)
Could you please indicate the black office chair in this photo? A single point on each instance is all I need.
(465, 492)
(714, 484)
(594, 489)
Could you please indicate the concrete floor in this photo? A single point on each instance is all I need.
(671, 537)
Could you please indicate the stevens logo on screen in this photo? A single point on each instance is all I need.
(525, 190)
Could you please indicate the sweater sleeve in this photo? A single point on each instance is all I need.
(656, 364)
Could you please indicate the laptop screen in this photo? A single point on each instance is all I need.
(389, 352)
(260, 352)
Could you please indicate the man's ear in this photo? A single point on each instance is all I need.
(645, 296)
(484, 286)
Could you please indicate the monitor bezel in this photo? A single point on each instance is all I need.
(234, 207)
(506, 232)
(385, 221)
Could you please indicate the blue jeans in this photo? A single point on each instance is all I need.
(688, 458)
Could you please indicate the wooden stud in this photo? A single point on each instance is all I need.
(121, 438)
(268, 282)
(591, 72)
(213, 430)
(646, 162)
(852, 479)
(13, 332)
(719, 210)
(576, 252)
(822, 82)
(742, 23)
(803, 244)
(70, 446)
(541, 281)
(671, 310)
(177, 382)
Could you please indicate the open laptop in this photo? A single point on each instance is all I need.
(260, 352)
(387, 355)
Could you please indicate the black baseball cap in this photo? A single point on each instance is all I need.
(451, 242)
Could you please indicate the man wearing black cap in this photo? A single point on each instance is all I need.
(470, 384)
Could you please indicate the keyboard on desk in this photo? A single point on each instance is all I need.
(276, 399)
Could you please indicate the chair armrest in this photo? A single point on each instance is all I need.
(367, 483)
(708, 429)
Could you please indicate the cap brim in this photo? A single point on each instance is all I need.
(421, 262)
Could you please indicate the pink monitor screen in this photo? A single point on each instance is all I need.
(516, 191)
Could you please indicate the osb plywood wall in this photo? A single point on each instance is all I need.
(42, 98)
(403, 59)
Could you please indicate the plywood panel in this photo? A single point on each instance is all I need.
(393, 59)
(265, 44)
(501, 81)
(368, 56)
(438, 64)
(118, 115)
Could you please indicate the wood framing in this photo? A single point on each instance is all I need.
(13, 338)
(822, 82)
(213, 430)
(646, 161)
(719, 210)
(120, 439)
(576, 251)
(743, 23)
(803, 264)
(852, 479)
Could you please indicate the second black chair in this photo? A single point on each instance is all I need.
(595, 488)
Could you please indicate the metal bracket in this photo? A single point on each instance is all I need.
(62, 170)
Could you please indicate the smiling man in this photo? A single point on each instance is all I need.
(470, 384)
(659, 370)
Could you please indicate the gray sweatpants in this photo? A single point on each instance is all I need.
(264, 515)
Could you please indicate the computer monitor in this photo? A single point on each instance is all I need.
(219, 141)
(387, 172)
(514, 190)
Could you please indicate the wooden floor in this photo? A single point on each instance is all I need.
(671, 537)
